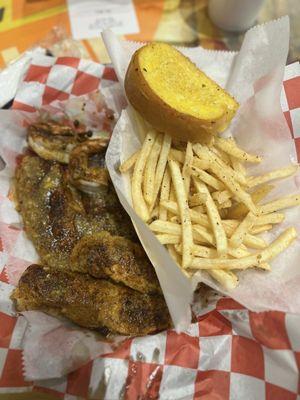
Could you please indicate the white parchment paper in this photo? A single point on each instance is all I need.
(254, 76)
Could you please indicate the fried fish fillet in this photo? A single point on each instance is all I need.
(62, 221)
(91, 303)
(103, 255)
(56, 215)
(53, 141)
(87, 166)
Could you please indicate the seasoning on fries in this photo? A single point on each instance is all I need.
(190, 185)
(128, 164)
(138, 200)
(192, 189)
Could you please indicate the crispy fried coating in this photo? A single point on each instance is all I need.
(91, 303)
(103, 255)
(56, 215)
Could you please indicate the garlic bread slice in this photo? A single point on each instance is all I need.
(174, 96)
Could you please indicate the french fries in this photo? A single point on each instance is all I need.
(154, 213)
(186, 170)
(201, 164)
(239, 234)
(173, 253)
(255, 230)
(201, 204)
(202, 235)
(161, 166)
(240, 210)
(254, 242)
(233, 186)
(214, 217)
(225, 204)
(139, 203)
(164, 195)
(221, 154)
(168, 239)
(170, 228)
(279, 245)
(177, 155)
(197, 199)
(273, 175)
(199, 209)
(207, 178)
(129, 163)
(226, 263)
(229, 147)
(222, 171)
(280, 204)
(187, 234)
(221, 197)
(196, 216)
(200, 251)
(227, 279)
(206, 154)
(149, 172)
(238, 166)
(273, 218)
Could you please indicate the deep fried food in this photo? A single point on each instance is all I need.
(87, 166)
(91, 303)
(95, 271)
(56, 215)
(105, 256)
(53, 141)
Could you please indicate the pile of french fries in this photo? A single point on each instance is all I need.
(202, 205)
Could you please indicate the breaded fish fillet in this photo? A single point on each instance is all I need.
(91, 303)
(61, 221)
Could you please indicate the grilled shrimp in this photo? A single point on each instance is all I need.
(87, 166)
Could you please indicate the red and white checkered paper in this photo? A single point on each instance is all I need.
(50, 78)
(229, 353)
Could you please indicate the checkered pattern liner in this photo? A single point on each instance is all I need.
(230, 353)
(50, 78)
(290, 102)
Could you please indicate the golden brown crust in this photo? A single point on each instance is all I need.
(103, 255)
(56, 215)
(86, 177)
(157, 112)
(91, 303)
(162, 116)
(53, 141)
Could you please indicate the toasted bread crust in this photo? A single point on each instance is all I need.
(162, 116)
